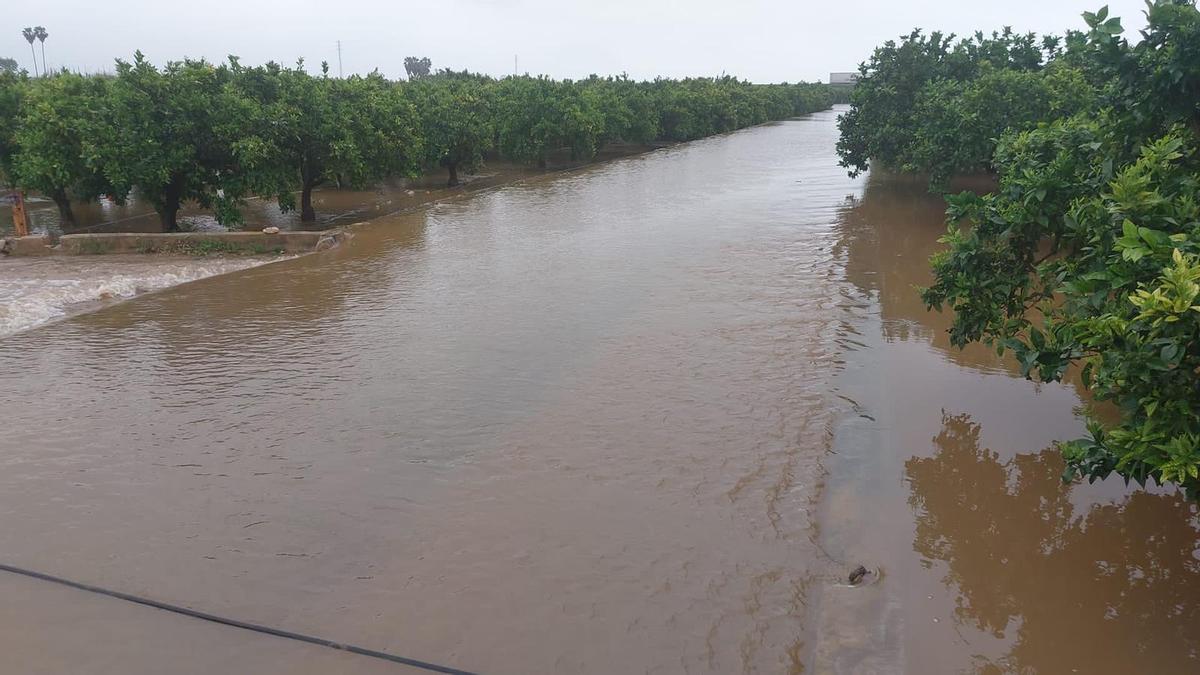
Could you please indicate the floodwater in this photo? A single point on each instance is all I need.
(945, 476)
(35, 291)
(639, 418)
(334, 207)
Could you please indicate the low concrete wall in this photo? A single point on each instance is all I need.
(26, 246)
(180, 243)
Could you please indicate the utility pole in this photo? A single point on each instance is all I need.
(339, 43)
(515, 68)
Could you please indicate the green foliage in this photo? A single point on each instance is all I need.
(11, 87)
(1087, 255)
(417, 68)
(179, 134)
(536, 115)
(930, 105)
(626, 107)
(457, 125)
(195, 132)
(355, 130)
(57, 122)
(958, 122)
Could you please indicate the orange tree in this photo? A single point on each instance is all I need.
(1096, 224)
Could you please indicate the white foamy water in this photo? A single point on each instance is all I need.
(34, 291)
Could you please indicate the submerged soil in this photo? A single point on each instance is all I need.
(641, 417)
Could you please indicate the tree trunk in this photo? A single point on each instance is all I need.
(453, 168)
(168, 217)
(307, 214)
(168, 214)
(45, 70)
(32, 52)
(66, 217)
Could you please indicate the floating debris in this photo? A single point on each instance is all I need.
(857, 575)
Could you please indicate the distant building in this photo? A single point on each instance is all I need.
(844, 79)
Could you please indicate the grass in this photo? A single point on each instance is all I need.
(93, 247)
(200, 248)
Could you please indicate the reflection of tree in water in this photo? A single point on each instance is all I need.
(885, 239)
(1115, 588)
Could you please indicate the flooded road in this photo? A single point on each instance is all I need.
(638, 418)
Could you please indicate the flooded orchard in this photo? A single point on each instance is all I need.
(640, 417)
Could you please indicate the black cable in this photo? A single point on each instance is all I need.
(244, 625)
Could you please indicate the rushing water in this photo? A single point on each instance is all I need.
(642, 417)
(35, 291)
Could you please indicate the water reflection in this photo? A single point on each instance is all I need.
(886, 239)
(1062, 583)
(991, 563)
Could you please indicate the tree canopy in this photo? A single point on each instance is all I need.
(54, 134)
(194, 132)
(457, 123)
(417, 68)
(936, 105)
(317, 129)
(178, 134)
(1087, 255)
(12, 85)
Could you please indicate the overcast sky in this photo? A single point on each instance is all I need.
(764, 41)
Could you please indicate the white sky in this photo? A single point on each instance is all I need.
(761, 40)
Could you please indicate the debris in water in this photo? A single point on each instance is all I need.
(857, 575)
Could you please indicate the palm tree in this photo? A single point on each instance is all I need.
(41, 34)
(30, 36)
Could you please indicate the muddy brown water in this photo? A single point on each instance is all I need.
(638, 418)
(334, 206)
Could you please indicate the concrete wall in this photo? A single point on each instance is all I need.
(26, 246)
(181, 243)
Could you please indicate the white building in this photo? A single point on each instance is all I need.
(843, 78)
